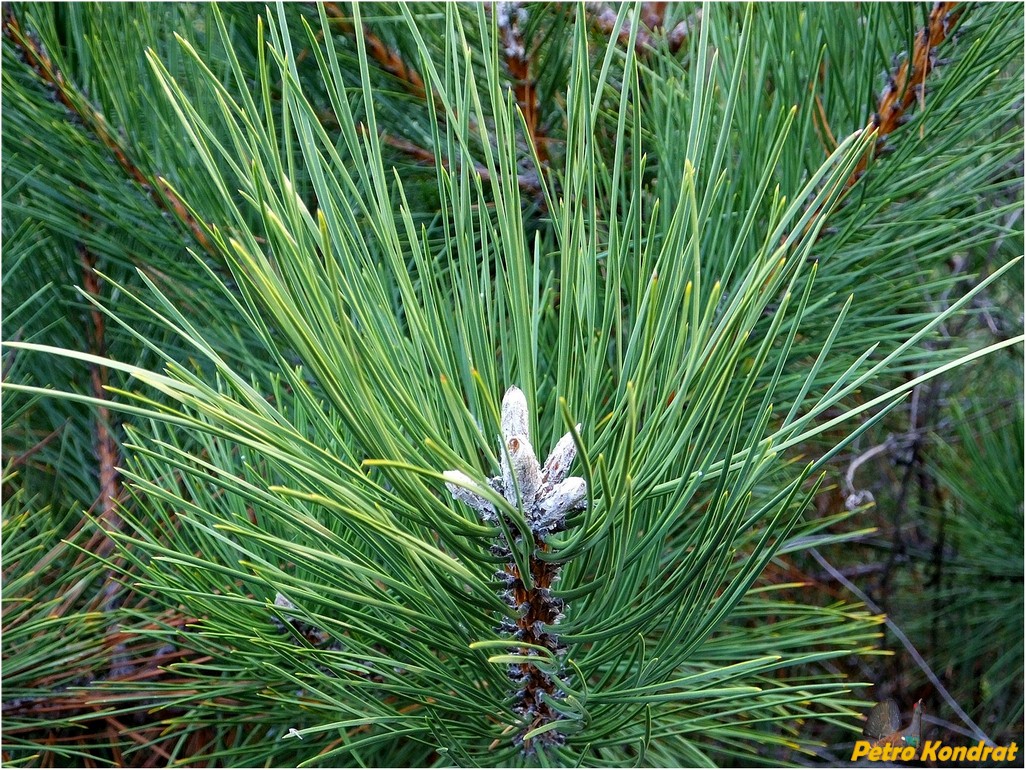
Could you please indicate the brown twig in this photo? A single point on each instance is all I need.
(541, 610)
(652, 15)
(603, 17)
(906, 85)
(105, 445)
(391, 61)
(508, 19)
(820, 122)
(32, 52)
(113, 719)
(897, 631)
(529, 183)
(105, 507)
(682, 30)
(822, 125)
(23, 458)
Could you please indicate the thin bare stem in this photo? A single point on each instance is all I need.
(906, 642)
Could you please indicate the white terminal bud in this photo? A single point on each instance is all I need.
(460, 486)
(545, 495)
(515, 419)
(525, 476)
(568, 494)
(560, 459)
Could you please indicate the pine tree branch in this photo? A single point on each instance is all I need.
(653, 17)
(686, 509)
(906, 85)
(508, 18)
(104, 443)
(528, 183)
(390, 60)
(82, 111)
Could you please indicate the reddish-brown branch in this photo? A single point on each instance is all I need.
(540, 612)
(65, 92)
(508, 18)
(603, 17)
(822, 125)
(528, 183)
(23, 458)
(106, 447)
(413, 150)
(652, 15)
(391, 61)
(108, 455)
(653, 24)
(907, 84)
(90, 706)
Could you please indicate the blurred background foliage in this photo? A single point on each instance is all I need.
(557, 140)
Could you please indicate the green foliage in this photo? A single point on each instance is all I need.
(341, 334)
(975, 592)
(986, 486)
